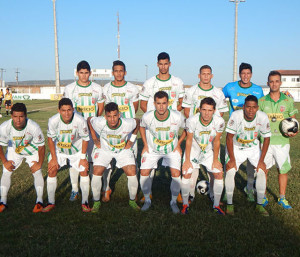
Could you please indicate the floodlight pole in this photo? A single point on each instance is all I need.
(235, 38)
(57, 85)
(146, 71)
(1, 78)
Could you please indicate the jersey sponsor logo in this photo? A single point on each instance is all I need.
(204, 133)
(277, 116)
(165, 88)
(242, 94)
(162, 142)
(238, 107)
(235, 100)
(244, 141)
(69, 131)
(249, 129)
(114, 136)
(201, 97)
(118, 146)
(64, 145)
(20, 148)
(18, 138)
(123, 108)
(171, 101)
(254, 92)
(282, 108)
(85, 109)
(202, 147)
(118, 94)
(162, 129)
(84, 94)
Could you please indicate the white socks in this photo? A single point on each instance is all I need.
(51, 188)
(132, 186)
(85, 188)
(218, 189)
(185, 190)
(260, 185)
(146, 185)
(96, 187)
(5, 184)
(39, 185)
(193, 181)
(229, 184)
(175, 188)
(106, 178)
(74, 179)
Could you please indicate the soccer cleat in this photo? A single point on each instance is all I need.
(265, 202)
(218, 210)
(38, 207)
(146, 206)
(174, 207)
(143, 199)
(261, 210)
(106, 196)
(49, 207)
(191, 199)
(250, 194)
(185, 209)
(96, 206)
(133, 205)
(85, 207)
(2, 207)
(179, 198)
(284, 203)
(230, 209)
(74, 196)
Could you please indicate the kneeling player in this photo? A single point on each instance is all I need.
(204, 131)
(68, 139)
(242, 144)
(24, 140)
(159, 132)
(114, 133)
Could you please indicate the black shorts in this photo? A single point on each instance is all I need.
(1, 100)
(8, 102)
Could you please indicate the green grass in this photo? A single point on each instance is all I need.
(119, 231)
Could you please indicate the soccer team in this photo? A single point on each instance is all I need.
(79, 136)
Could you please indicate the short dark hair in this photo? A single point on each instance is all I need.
(205, 67)
(116, 63)
(110, 107)
(160, 95)
(274, 73)
(209, 101)
(7, 89)
(65, 101)
(252, 98)
(245, 66)
(83, 65)
(163, 56)
(19, 107)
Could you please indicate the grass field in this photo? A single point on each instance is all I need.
(117, 230)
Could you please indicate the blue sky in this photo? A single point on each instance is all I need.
(193, 32)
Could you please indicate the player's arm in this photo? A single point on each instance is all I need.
(217, 143)
(7, 164)
(179, 106)
(186, 112)
(188, 146)
(130, 142)
(180, 140)
(229, 144)
(136, 106)
(53, 164)
(100, 108)
(143, 105)
(93, 133)
(261, 163)
(143, 136)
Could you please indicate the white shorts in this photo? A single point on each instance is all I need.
(172, 160)
(11, 155)
(74, 160)
(103, 157)
(279, 155)
(242, 154)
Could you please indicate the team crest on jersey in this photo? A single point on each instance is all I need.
(72, 137)
(255, 134)
(171, 134)
(282, 108)
(93, 100)
(173, 94)
(26, 142)
(211, 138)
(126, 101)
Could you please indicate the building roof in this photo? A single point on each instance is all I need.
(289, 72)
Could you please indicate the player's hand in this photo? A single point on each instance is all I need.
(97, 142)
(217, 165)
(231, 164)
(178, 149)
(9, 165)
(291, 134)
(84, 163)
(262, 165)
(53, 165)
(186, 166)
(145, 149)
(36, 166)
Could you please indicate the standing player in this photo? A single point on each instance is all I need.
(117, 136)
(278, 106)
(68, 138)
(243, 128)
(191, 102)
(8, 101)
(164, 81)
(159, 132)
(204, 131)
(24, 140)
(126, 96)
(87, 98)
(237, 92)
(1, 99)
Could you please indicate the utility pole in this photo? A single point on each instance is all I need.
(146, 71)
(57, 85)
(17, 76)
(1, 79)
(118, 36)
(235, 38)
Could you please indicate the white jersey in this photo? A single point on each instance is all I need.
(68, 137)
(246, 132)
(24, 142)
(194, 95)
(85, 99)
(124, 96)
(162, 135)
(113, 139)
(172, 86)
(203, 135)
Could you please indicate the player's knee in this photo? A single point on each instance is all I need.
(52, 173)
(218, 175)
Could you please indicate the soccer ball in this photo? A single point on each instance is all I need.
(202, 187)
(289, 125)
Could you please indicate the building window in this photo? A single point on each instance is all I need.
(298, 79)
(293, 79)
(284, 79)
